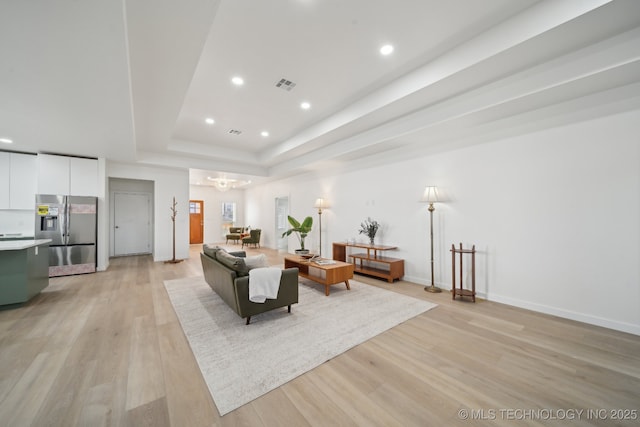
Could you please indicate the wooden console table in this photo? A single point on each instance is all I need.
(461, 291)
(370, 263)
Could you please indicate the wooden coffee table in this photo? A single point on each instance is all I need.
(333, 273)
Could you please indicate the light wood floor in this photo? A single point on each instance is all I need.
(107, 349)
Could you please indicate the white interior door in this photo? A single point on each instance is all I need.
(131, 223)
(282, 210)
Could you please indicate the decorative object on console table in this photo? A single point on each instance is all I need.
(320, 204)
(174, 212)
(301, 230)
(431, 196)
(370, 264)
(369, 228)
(461, 291)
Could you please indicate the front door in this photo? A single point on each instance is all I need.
(196, 221)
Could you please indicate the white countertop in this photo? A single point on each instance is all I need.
(16, 245)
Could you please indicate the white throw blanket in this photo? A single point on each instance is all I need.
(264, 283)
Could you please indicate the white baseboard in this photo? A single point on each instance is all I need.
(418, 280)
(567, 314)
(541, 308)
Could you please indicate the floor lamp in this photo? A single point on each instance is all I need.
(320, 204)
(431, 196)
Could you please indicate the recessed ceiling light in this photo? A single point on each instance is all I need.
(6, 140)
(238, 81)
(264, 133)
(387, 49)
(305, 105)
(209, 121)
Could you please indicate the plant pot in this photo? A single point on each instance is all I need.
(301, 251)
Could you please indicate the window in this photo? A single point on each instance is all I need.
(228, 212)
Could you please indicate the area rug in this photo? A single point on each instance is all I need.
(240, 363)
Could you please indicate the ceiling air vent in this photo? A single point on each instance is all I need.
(235, 131)
(286, 84)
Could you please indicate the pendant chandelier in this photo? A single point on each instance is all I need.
(226, 184)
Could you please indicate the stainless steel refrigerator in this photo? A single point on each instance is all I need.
(71, 224)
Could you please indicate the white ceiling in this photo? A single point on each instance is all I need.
(133, 81)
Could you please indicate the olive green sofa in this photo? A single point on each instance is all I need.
(228, 276)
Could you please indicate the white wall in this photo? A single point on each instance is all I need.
(554, 216)
(14, 221)
(261, 211)
(168, 183)
(214, 232)
(103, 218)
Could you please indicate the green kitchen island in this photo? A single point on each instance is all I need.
(24, 270)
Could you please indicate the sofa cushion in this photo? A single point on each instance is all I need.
(256, 261)
(235, 263)
(212, 251)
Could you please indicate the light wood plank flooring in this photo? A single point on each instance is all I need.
(107, 349)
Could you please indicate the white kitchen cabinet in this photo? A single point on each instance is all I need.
(23, 182)
(67, 175)
(18, 180)
(5, 174)
(53, 174)
(83, 177)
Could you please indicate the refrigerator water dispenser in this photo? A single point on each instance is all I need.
(48, 223)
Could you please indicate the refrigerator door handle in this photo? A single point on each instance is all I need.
(67, 220)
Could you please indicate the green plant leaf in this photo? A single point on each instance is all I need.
(294, 223)
(301, 229)
(307, 223)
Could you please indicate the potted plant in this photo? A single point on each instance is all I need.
(369, 227)
(301, 230)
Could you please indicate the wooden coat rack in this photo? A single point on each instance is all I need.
(174, 212)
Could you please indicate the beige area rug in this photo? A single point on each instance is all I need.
(240, 363)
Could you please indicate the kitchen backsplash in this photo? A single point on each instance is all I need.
(17, 222)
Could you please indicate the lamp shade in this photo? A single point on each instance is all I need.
(321, 204)
(430, 195)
